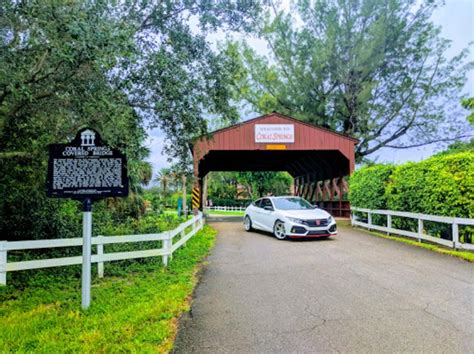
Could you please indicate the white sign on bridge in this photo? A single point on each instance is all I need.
(274, 133)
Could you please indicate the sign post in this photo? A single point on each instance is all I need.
(86, 252)
(86, 169)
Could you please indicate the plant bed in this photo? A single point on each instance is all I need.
(134, 308)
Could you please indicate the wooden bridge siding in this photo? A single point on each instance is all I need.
(241, 137)
(307, 138)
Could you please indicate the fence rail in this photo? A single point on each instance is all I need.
(225, 208)
(420, 234)
(166, 250)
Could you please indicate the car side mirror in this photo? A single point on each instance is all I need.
(269, 208)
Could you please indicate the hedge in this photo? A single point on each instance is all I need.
(230, 202)
(442, 185)
(367, 186)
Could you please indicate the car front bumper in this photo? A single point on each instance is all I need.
(294, 230)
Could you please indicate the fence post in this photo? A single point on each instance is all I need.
(100, 252)
(3, 263)
(389, 223)
(166, 248)
(420, 229)
(369, 220)
(455, 236)
(170, 244)
(183, 235)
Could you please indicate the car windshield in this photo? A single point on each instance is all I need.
(291, 204)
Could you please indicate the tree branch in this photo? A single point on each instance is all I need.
(402, 130)
(429, 142)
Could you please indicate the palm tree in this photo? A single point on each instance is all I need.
(163, 178)
(167, 179)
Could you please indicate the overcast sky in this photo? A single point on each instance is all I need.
(456, 19)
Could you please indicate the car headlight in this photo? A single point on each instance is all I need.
(296, 220)
(330, 220)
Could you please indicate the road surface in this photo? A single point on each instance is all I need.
(353, 293)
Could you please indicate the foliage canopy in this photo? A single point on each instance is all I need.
(116, 66)
(376, 70)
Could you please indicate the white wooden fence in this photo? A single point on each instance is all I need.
(420, 234)
(166, 250)
(225, 208)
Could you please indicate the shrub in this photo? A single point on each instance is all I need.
(367, 188)
(442, 185)
(230, 202)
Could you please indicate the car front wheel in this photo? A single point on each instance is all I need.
(279, 230)
(247, 223)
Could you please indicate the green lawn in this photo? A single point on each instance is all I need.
(221, 212)
(134, 308)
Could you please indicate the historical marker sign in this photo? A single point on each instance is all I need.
(86, 168)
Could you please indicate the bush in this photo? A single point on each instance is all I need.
(367, 186)
(367, 189)
(150, 223)
(442, 185)
(230, 202)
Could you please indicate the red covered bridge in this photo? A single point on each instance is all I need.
(317, 158)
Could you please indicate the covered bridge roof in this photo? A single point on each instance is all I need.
(275, 142)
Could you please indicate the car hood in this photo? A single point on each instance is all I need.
(306, 214)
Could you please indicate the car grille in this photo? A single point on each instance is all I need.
(318, 232)
(314, 223)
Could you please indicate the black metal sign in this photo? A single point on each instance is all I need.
(86, 168)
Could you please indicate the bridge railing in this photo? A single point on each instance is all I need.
(420, 234)
(168, 246)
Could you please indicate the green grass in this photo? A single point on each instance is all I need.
(134, 308)
(170, 212)
(466, 255)
(222, 212)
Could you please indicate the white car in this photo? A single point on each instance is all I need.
(289, 217)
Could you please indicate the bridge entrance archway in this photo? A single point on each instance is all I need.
(318, 159)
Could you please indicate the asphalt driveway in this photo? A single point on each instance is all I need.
(354, 293)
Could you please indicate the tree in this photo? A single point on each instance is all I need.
(468, 103)
(54, 80)
(228, 185)
(222, 185)
(117, 67)
(259, 184)
(85, 61)
(376, 70)
(175, 79)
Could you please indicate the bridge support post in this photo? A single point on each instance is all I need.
(185, 207)
(204, 192)
(306, 187)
